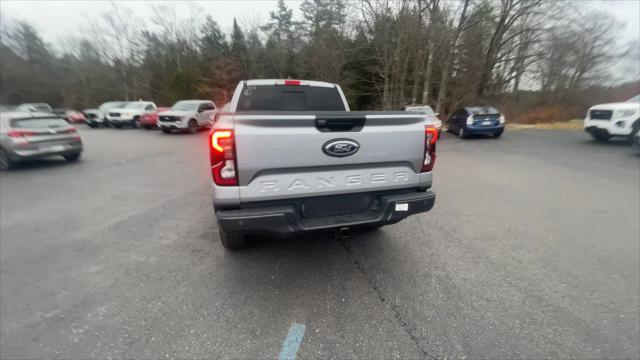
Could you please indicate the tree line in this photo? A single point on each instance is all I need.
(384, 53)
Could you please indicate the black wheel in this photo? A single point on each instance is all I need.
(166, 130)
(461, 133)
(136, 123)
(147, 127)
(193, 126)
(232, 241)
(117, 126)
(91, 125)
(635, 128)
(598, 136)
(72, 157)
(5, 161)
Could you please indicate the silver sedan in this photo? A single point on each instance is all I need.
(34, 135)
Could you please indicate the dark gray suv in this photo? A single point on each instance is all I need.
(34, 135)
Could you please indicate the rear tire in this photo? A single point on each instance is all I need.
(166, 131)
(232, 241)
(72, 157)
(136, 123)
(193, 126)
(117, 126)
(147, 127)
(635, 128)
(5, 161)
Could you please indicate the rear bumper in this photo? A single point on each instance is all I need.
(32, 154)
(484, 129)
(282, 220)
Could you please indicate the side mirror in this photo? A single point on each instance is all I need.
(437, 113)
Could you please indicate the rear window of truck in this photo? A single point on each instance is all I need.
(287, 97)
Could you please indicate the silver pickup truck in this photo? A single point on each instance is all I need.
(289, 157)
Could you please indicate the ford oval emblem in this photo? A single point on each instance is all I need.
(340, 147)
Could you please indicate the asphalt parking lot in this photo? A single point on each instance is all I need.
(532, 251)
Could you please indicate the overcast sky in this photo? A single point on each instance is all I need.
(56, 20)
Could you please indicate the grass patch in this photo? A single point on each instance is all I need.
(575, 124)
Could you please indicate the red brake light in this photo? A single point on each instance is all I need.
(223, 158)
(430, 139)
(431, 133)
(292, 82)
(72, 130)
(20, 133)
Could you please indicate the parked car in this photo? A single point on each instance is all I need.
(98, 117)
(150, 119)
(129, 114)
(34, 135)
(290, 157)
(34, 107)
(430, 114)
(190, 115)
(71, 116)
(621, 119)
(476, 120)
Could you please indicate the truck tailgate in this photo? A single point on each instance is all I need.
(281, 155)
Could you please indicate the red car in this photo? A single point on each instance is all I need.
(72, 116)
(149, 119)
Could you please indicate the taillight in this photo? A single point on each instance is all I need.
(72, 130)
(20, 133)
(430, 140)
(223, 158)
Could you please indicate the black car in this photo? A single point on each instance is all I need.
(476, 120)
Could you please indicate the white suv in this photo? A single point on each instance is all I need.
(188, 115)
(615, 119)
(129, 114)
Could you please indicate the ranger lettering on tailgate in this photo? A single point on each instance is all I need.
(330, 182)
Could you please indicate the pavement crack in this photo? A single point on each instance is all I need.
(383, 300)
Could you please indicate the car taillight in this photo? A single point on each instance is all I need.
(20, 133)
(223, 158)
(430, 140)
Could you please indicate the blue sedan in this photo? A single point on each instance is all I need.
(477, 120)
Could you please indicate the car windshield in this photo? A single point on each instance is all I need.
(185, 106)
(426, 110)
(38, 123)
(112, 105)
(635, 99)
(135, 105)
